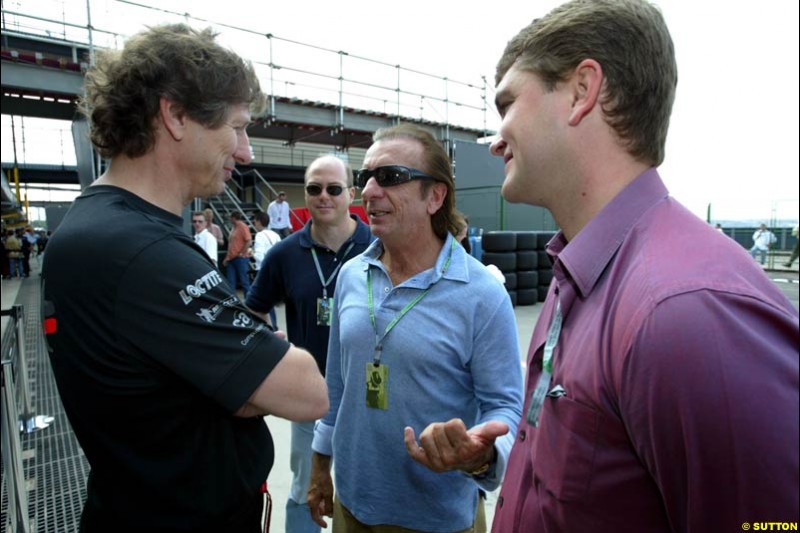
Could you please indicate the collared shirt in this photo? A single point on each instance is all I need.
(289, 275)
(208, 243)
(453, 355)
(679, 359)
(278, 214)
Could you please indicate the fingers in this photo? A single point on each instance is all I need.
(413, 449)
(319, 506)
(489, 431)
(449, 445)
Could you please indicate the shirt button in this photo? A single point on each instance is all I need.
(522, 435)
(500, 501)
(386, 289)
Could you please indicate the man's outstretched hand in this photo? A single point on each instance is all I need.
(449, 445)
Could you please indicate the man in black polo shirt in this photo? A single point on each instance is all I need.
(164, 374)
(301, 271)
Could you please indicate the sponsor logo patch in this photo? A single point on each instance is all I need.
(242, 320)
(200, 287)
(210, 314)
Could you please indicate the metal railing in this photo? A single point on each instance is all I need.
(230, 200)
(291, 68)
(18, 416)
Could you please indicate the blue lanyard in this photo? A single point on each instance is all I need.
(335, 270)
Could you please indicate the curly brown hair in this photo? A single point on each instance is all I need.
(631, 41)
(123, 89)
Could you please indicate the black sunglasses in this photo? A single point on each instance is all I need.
(315, 190)
(389, 176)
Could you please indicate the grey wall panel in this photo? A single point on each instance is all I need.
(479, 177)
(475, 167)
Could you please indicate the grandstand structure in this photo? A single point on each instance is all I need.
(319, 101)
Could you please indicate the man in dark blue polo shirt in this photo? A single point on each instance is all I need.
(301, 271)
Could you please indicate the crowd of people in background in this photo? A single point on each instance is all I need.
(19, 246)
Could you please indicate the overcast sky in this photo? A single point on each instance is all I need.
(733, 140)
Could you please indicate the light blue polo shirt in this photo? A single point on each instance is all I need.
(453, 355)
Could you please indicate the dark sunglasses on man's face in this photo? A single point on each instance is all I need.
(315, 190)
(390, 176)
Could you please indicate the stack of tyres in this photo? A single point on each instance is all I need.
(499, 249)
(544, 266)
(527, 274)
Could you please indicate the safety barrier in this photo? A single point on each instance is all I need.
(18, 417)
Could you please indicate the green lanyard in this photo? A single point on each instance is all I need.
(335, 270)
(378, 337)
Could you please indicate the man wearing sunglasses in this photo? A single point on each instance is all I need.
(423, 342)
(662, 387)
(301, 271)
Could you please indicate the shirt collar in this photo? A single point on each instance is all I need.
(458, 269)
(361, 235)
(586, 257)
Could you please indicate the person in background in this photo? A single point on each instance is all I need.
(164, 375)
(279, 213)
(203, 237)
(301, 271)
(13, 248)
(215, 230)
(662, 375)
(763, 239)
(264, 241)
(237, 258)
(423, 342)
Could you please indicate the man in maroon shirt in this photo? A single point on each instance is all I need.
(662, 386)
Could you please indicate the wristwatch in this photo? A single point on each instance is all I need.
(481, 469)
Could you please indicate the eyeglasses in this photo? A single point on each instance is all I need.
(315, 190)
(389, 176)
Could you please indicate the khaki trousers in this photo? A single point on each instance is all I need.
(345, 522)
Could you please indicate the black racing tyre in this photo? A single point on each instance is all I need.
(542, 292)
(544, 260)
(527, 260)
(527, 296)
(527, 279)
(513, 296)
(545, 277)
(499, 241)
(511, 281)
(505, 261)
(542, 238)
(526, 240)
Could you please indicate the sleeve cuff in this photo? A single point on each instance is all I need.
(492, 478)
(323, 439)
